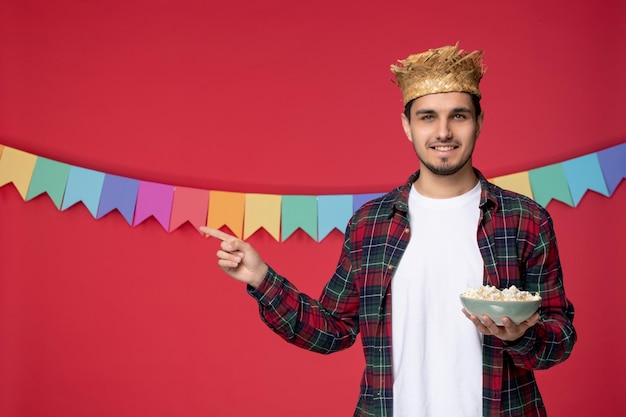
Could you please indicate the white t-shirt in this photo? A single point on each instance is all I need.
(437, 351)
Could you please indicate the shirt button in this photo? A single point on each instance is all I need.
(407, 230)
(389, 266)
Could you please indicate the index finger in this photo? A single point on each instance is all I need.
(217, 234)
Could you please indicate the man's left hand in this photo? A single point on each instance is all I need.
(509, 331)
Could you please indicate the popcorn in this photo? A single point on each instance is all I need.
(487, 292)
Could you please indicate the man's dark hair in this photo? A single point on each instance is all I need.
(475, 102)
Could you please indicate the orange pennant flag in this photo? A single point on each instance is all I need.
(17, 167)
(262, 211)
(226, 209)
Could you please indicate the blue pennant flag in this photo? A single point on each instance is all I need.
(334, 212)
(83, 185)
(584, 174)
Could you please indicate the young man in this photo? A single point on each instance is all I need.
(408, 255)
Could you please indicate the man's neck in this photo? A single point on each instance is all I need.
(432, 185)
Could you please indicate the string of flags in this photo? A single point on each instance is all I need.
(280, 215)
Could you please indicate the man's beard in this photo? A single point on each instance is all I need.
(444, 169)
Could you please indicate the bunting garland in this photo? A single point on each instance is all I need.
(280, 215)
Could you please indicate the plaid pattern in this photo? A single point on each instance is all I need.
(517, 242)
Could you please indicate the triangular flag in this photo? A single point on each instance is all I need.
(549, 183)
(226, 209)
(49, 177)
(333, 212)
(83, 185)
(154, 199)
(519, 183)
(613, 163)
(584, 173)
(118, 193)
(299, 212)
(190, 205)
(262, 211)
(359, 199)
(17, 167)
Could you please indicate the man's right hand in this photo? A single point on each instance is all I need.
(238, 258)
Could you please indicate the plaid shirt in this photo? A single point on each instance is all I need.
(518, 245)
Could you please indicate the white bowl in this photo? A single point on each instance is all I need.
(517, 311)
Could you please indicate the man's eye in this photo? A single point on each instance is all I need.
(459, 116)
(427, 117)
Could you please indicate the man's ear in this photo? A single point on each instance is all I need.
(479, 123)
(406, 125)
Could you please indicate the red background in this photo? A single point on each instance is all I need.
(99, 318)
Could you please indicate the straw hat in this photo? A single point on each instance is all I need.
(440, 70)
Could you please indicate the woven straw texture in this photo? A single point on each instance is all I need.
(440, 70)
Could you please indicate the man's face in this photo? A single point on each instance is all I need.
(443, 129)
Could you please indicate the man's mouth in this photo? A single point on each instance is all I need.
(443, 148)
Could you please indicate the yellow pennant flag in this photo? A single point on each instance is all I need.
(262, 210)
(226, 209)
(519, 182)
(17, 167)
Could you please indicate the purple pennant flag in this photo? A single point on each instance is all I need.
(154, 199)
(613, 163)
(118, 193)
(359, 199)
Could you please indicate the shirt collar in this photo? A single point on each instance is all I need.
(487, 197)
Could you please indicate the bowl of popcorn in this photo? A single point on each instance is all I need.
(510, 302)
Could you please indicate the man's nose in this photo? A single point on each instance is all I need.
(443, 130)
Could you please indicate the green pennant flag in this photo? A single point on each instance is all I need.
(549, 183)
(299, 212)
(49, 177)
